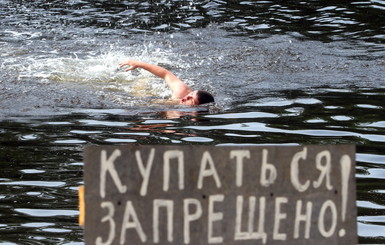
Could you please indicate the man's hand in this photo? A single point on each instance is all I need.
(132, 65)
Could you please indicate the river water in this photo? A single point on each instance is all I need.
(282, 72)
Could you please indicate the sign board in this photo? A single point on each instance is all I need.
(220, 195)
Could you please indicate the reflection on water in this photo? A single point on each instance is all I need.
(282, 73)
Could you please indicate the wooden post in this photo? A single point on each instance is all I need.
(82, 207)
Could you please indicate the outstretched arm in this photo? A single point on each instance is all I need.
(177, 86)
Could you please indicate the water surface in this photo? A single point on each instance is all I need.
(282, 73)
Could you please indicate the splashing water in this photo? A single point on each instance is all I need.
(83, 76)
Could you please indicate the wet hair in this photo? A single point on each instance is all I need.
(204, 97)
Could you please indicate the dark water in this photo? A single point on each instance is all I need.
(283, 72)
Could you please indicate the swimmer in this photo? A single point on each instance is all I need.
(180, 91)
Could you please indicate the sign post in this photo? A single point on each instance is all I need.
(220, 195)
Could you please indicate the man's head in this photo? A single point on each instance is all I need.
(197, 97)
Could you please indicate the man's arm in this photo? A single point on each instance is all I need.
(177, 86)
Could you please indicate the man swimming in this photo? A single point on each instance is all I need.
(180, 90)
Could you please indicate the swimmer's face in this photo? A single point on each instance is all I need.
(190, 99)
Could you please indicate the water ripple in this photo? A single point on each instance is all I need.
(47, 212)
(35, 183)
(332, 21)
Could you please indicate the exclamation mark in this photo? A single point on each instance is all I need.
(346, 165)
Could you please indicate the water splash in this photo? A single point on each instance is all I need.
(85, 78)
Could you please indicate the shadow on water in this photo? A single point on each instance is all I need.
(282, 73)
